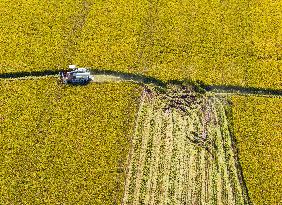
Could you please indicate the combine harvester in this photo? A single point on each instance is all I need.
(75, 75)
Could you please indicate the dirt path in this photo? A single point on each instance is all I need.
(101, 76)
(107, 78)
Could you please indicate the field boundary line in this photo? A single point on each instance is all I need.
(142, 156)
(180, 151)
(129, 158)
(169, 152)
(155, 155)
(237, 164)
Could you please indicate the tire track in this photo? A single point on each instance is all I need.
(203, 179)
(209, 181)
(195, 171)
(136, 141)
(180, 154)
(234, 174)
(79, 20)
(158, 185)
(155, 155)
(228, 196)
(141, 160)
(226, 193)
(216, 182)
(146, 179)
(168, 156)
(174, 165)
(190, 148)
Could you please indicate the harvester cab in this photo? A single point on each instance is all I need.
(75, 75)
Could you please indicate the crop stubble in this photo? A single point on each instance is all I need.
(182, 171)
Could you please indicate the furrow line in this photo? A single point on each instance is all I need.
(157, 186)
(231, 163)
(155, 156)
(148, 159)
(168, 155)
(180, 155)
(132, 159)
(226, 195)
(174, 167)
(216, 187)
(196, 193)
(186, 190)
(185, 162)
(216, 182)
(209, 181)
(203, 178)
(208, 186)
(191, 148)
(193, 174)
(145, 137)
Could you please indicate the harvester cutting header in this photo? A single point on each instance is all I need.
(76, 75)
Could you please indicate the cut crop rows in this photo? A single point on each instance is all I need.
(183, 157)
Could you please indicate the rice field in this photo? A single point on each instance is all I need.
(217, 42)
(230, 43)
(64, 145)
(39, 35)
(58, 142)
(183, 158)
(258, 130)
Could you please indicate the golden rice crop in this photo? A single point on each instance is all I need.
(217, 42)
(64, 144)
(266, 37)
(257, 122)
(37, 35)
(109, 38)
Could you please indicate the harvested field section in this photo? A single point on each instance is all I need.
(183, 157)
(64, 144)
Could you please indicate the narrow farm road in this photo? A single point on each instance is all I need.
(101, 76)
